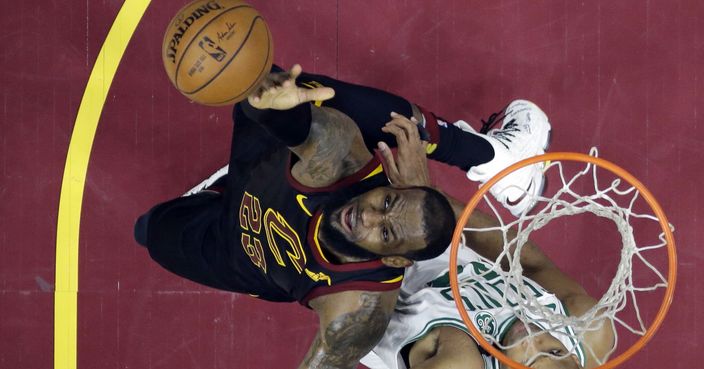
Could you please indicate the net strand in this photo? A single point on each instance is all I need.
(604, 202)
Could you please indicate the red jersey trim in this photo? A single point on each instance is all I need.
(318, 252)
(431, 125)
(372, 167)
(349, 286)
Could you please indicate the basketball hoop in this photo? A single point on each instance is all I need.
(619, 200)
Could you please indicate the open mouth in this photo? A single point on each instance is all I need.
(346, 219)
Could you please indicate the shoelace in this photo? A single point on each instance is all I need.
(491, 122)
(503, 135)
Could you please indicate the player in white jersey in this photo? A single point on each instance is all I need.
(427, 332)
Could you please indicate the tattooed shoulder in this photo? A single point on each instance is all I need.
(349, 336)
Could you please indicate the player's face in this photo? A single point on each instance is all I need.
(383, 221)
(545, 343)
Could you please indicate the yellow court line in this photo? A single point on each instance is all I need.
(73, 183)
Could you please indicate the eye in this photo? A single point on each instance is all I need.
(387, 201)
(385, 234)
(556, 352)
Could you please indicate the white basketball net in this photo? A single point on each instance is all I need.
(614, 201)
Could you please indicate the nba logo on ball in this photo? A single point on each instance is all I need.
(210, 47)
(216, 52)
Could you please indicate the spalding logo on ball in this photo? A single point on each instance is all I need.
(216, 52)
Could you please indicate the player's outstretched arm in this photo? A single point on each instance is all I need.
(351, 324)
(327, 142)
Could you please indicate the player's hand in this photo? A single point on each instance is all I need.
(279, 91)
(411, 167)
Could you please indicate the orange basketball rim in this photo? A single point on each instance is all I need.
(573, 157)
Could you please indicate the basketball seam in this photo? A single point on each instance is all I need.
(178, 65)
(180, 60)
(261, 75)
(195, 37)
(244, 42)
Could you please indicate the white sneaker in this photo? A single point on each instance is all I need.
(208, 181)
(525, 132)
(464, 126)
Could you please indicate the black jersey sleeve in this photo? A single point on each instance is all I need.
(290, 126)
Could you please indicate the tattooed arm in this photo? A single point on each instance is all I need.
(328, 143)
(351, 324)
(333, 150)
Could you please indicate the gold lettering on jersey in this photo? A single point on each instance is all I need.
(253, 248)
(250, 213)
(276, 228)
(276, 225)
(320, 276)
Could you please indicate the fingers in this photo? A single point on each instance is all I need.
(306, 95)
(275, 81)
(409, 127)
(388, 161)
(409, 167)
(295, 71)
(255, 98)
(271, 83)
(291, 75)
(402, 128)
(280, 84)
(316, 94)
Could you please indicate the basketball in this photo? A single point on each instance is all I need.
(217, 51)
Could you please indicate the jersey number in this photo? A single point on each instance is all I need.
(276, 230)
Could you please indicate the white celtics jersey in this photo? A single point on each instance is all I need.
(426, 302)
